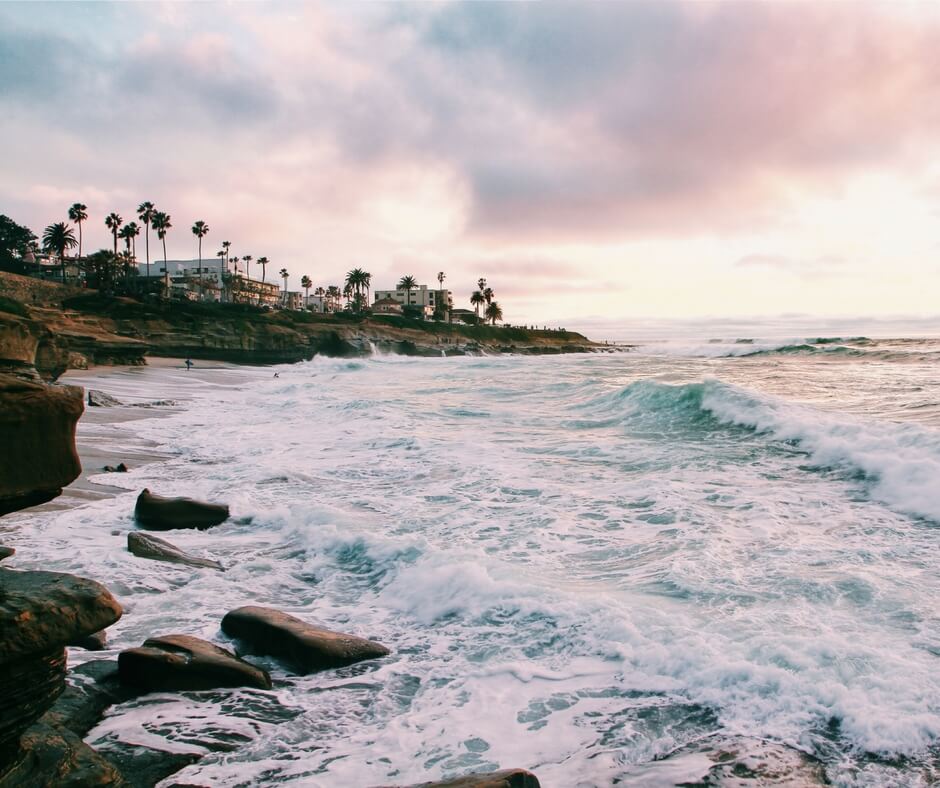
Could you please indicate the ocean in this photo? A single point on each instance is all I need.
(593, 566)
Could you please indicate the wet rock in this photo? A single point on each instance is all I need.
(52, 756)
(44, 610)
(96, 641)
(91, 689)
(732, 763)
(39, 420)
(164, 514)
(147, 546)
(174, 663)
(262, 630)
(6, 551)
(98, 399)
(119, 468)
(40, 612)
(507, 778)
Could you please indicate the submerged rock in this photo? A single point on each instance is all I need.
(506, 778)
(164, 514)
(181, 662)
(119, 468)
(6, 551)
(39, 420)
(147, 546)
(263, 630)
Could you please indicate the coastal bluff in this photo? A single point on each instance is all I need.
(84, 328)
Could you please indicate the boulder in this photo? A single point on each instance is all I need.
(262, 630)
(6, 551)
(164, 514)
(119, 468)
(147, 546)
(40, 612)
(96, 641)
(507, 778)
(39, 420)
(174, 663)
(98, 399)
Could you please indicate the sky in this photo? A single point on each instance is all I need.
(600, 164)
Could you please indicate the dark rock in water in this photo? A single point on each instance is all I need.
(39, 420)
(119, 468)
(164, 514)
(96, 641)
(174, 663)
(507, 778)
(40, 612)
(44, 610)
(91, 689)
(718, 762)
(98, 399)
(147, 546)
(262, 630)
(6, 551)
(51, 756)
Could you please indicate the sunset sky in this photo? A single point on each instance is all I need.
(595, 162)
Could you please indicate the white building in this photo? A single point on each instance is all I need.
(430, 299)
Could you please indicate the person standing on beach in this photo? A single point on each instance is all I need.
(189, 365)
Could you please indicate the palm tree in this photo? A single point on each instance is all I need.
(161, 223)
(263, 262)
(332, 295)
(494, 313)
(200, 229)
(221, 255)
(356, 280)
(127, 235)
(56, 238)
(133, 230)
(78, 213)
(347, 292)
(488, 295)
(145, 212)
(236, 285)
(225, 248)
(442, 307)
(477, 300)
(114, 221)
(284, 275)
(481, 284)
(306, 283)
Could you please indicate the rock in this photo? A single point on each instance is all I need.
(91, 689)
(96, 641)
(39, 420)
(739, 762)
(262, 630)
(174, 663)
(147, 546)
(98, 399)
(164, 514)
(119, 468)
(44, 610)
(52, 756)
(6, 551)
(40, 612)
(507, 778)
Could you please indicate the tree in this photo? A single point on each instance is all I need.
(332, 296)
(306, 283)
(145, 212)
(481, 284)
(56, 238)
(101, 269)
(225, 248)
(477, 300)
(263, 262)
(200, 229)
(114, 222)
(128, 231)
(16, 241)
(78, 213)
(442, 311)
(488, 295)
(284, 275)
(347, 293)
(161, 223)
(133, 230)
(407, 283)
(357, 280)
(236, 284)
(494, 313)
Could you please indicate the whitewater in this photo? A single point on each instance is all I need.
(583, 565)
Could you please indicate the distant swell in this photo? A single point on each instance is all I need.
(901, 461)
